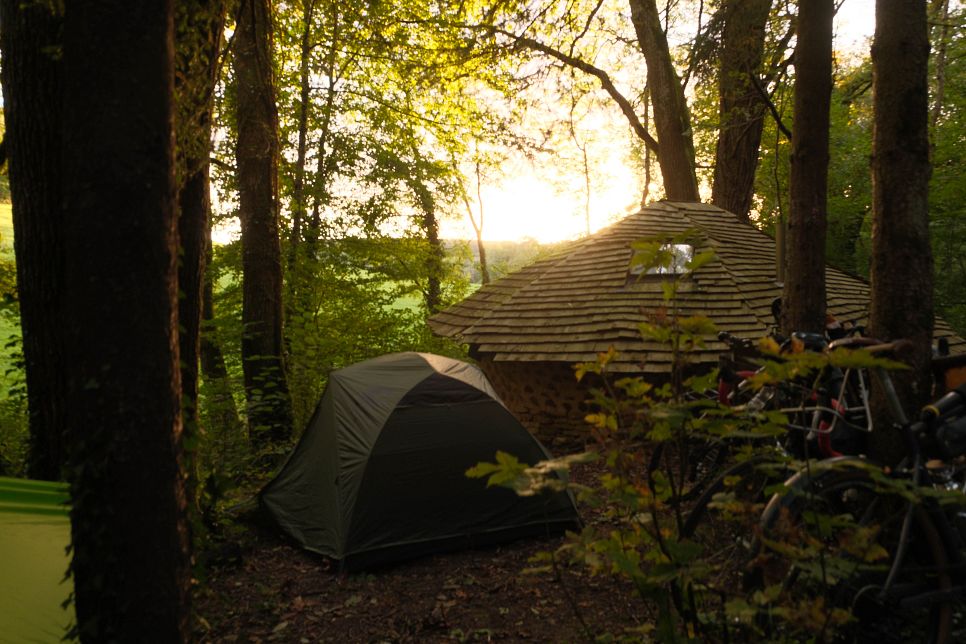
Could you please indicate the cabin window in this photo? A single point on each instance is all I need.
(673, 260)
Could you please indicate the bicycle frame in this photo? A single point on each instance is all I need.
(911, 468)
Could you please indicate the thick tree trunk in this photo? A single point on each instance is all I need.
(199, 37)
(129, 529)
(803, 301)
(193, 202)
(266, 388)
(671, 116)
(32, 94)
(901, 264)
(740, 108)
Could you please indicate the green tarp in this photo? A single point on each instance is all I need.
(34, 534)
(379, 473)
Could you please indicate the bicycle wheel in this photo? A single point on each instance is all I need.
(828, 547)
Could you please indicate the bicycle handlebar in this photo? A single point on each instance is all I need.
(946, 405)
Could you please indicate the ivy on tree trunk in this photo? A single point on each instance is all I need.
(257, 152)
(198, 40)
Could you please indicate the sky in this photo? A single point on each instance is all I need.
(545, 198)
(541, 200)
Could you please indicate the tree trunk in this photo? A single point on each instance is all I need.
(33, 96)
(298, 182)
(434, 259)
(671, 116)
(129, 529)
(199, 37)
(221, 402)
(266, 387)
(803, 300)
(324, 162)
(477, 224)
(741, 110)
(941, 15)
(901, 265)
(478, 227)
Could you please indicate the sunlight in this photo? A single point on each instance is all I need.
(545, 199)
(531, 206)
(548, 203)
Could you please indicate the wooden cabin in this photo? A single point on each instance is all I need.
(528, 329)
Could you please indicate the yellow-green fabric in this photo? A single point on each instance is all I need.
(34, 534)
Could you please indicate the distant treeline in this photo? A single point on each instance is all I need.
(503, 257)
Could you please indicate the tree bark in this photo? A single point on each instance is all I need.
(266, 387)
(901, 264)
(129, 529)
(325, 162)
(941, 15)
(478, 227)
(740, 107)
(671, 116)
(434, 258)
(33, 96)
(803, 300)
(199, 37)
(298, 182)
(220, 404)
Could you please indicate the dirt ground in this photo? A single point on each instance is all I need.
(268, 590)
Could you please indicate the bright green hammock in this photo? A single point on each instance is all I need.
(34, 533)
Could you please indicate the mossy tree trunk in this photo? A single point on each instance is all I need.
(257, 152)
(198, 39)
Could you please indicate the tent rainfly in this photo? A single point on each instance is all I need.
(379, 474)
(34, 535)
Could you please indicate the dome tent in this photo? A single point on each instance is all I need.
(379, 474)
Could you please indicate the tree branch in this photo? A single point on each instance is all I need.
(605, 81)
(771, 107)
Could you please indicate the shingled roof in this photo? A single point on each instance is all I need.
(582, 300)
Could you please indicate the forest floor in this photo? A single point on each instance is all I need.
(269, 590)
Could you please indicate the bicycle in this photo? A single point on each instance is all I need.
(820, 409)
(870, 553)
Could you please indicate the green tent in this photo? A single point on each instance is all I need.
(379, 474)
(34, 534)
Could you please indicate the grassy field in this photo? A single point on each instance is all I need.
(12, 418)
(9, 323)
(6, 232)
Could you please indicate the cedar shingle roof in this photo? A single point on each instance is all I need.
(581, 300)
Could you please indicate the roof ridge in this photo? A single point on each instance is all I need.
(577, 301)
